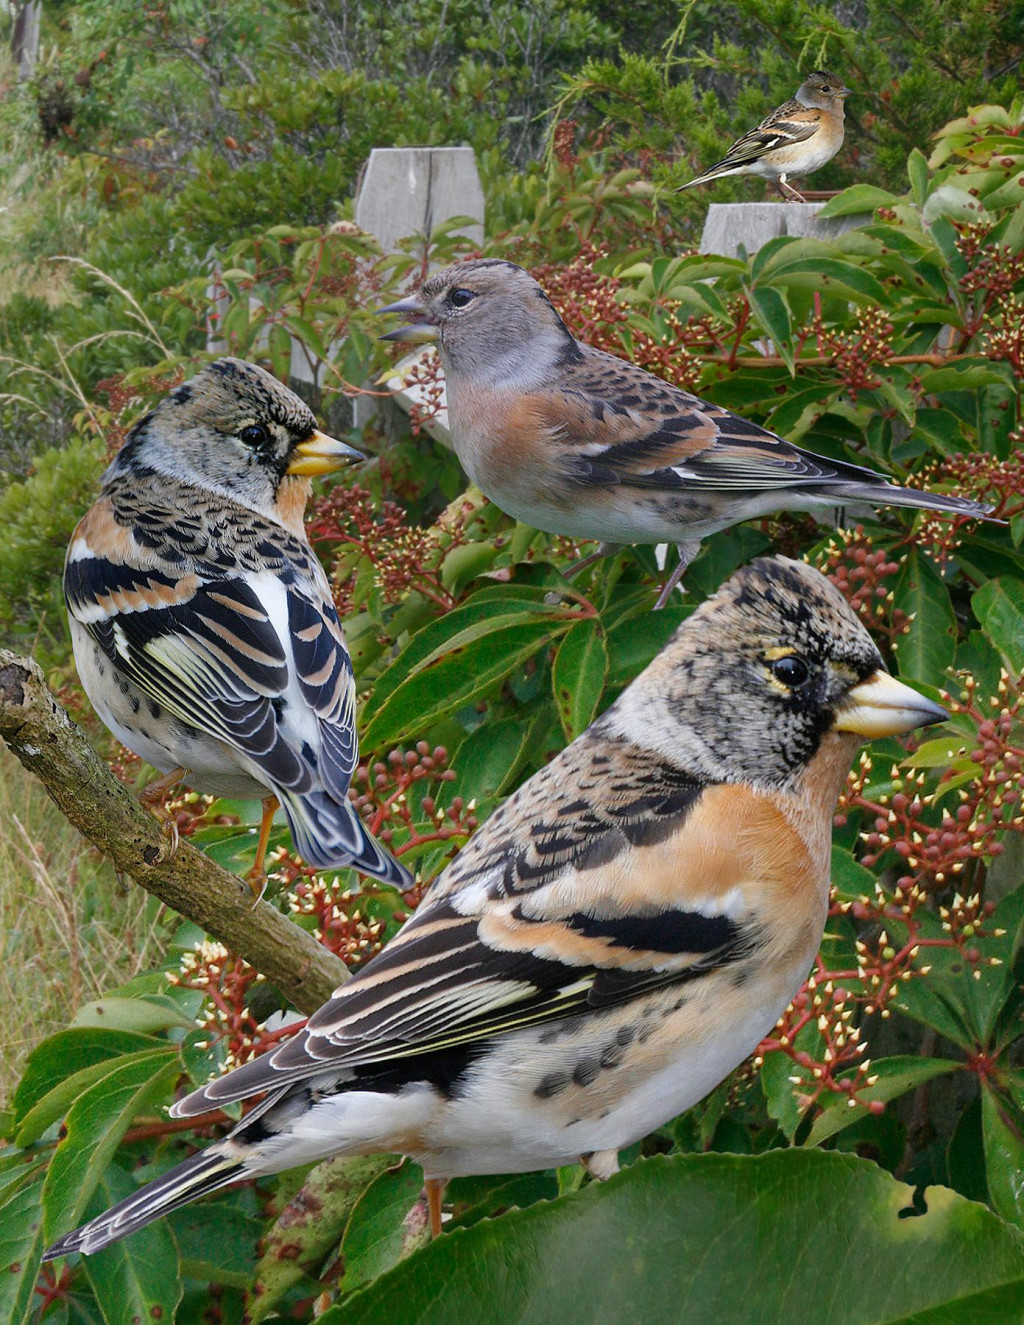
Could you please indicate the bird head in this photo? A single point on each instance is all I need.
(234, 428)
(823, 90)
(761, 674)
(490, 319)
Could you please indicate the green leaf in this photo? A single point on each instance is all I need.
(999, 606)
(1003, 1131)
(634, 643)
(690, 1236)
(137, 1278)
(384, 1226)
(486, 610)
(312, 1226)
(457, 677)
(962, 376)
(64, 1055)
(919, 175)
(928, 648)
(21, 1243)
(850, 879)
(856, 200)
(217, 1241)
(896, 1076)
(153, 1012)
(487, 761)
(771, 310)
(94, 1127)
(578, 675)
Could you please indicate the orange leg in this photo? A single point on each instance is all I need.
(435, 1194)
(151, 797)
(257, 876)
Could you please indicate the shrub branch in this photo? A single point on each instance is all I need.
(103, 810)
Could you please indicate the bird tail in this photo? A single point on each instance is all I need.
(329, 834)
(206, 1172)
(888, 494)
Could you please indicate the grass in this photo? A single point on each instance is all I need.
(70, 930)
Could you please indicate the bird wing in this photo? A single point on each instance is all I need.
(605, 880)
(220, 652)
(617, 424)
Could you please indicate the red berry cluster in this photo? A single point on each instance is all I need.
(865, 574)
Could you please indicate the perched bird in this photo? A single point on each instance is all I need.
(203, 625)
(578, 442)
(618, 936)
(797, 138)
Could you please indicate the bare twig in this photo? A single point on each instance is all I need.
(57, 752)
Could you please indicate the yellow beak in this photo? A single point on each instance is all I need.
(883, 706)
(320, 454)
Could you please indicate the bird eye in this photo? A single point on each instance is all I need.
(461, 298)
(791, 670)
(255, 435)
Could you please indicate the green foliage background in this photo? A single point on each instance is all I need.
(151, 140)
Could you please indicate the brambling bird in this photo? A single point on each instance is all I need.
(619, 935)
(203, 624)
(797, 138)
(578, 442)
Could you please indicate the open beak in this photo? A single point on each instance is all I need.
(883, 706)
(420, 333)
(320, 454)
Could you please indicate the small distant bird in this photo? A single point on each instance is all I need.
(203, 624)
(616, 938)
(577, 442)
(795, 139)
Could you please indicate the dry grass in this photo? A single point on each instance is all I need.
(69, 929)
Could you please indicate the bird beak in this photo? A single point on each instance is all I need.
(320, 454)
(883, 706)
(420, 333)
(844, 92)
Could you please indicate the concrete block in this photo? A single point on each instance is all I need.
(749, 225)
(409, 191)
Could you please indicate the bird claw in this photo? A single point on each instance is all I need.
(257, 881)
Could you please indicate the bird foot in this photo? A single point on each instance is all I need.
(152, 797)
(601, 1164)
(687, 552)
(257, 881)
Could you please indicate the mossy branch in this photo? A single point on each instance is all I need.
(52, 747)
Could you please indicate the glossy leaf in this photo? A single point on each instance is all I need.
(21, 1242)
(386, 1224)
(93, 1129)
(896, 1076)
(137, 1278)
(928, 648)
(310, 1227)
(578, 675)
(456, 677)
(999, 606)
(1003, 1131)
(690, 1235)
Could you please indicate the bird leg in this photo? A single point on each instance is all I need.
(788, 192)
(603, 550)
(687, 552)
(257, 876)
(601, 1164)
(435, 1194)
(152, 798)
